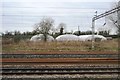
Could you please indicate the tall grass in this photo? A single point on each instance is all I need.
(111, 45)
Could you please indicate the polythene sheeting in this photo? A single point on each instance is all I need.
(40, 37)
(67, 37)
(71, 37)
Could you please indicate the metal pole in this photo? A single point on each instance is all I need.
(93, 30)
(93, 33)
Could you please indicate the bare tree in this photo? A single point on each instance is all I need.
(118, 22)
(62, 27)
(44, 26)
(115, 17)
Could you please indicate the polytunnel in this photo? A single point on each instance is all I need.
(83, 37)
(67, 37)
(40, 37)
(89, 37)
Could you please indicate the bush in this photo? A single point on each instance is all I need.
(17, 39)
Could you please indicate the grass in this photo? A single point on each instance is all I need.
(27, 46)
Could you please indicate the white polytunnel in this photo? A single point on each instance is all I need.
(83, 37)
(40, 37)
(67, 37)
(89, 37)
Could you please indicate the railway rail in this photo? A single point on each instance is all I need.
(114, 56)
(52, 59)
(7, 71)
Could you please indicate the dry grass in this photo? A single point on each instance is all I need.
(111, 45)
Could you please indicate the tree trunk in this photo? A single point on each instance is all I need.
(45, 37)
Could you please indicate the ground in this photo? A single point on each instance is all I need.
(110, 46)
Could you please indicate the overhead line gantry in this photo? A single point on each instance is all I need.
(96, 17)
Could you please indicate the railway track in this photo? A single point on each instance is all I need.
(7, 71)
(48, 64)
(59, 60)
(113, 56)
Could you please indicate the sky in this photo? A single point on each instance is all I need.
(22, 15)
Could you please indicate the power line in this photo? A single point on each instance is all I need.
(52, 7)
(107, 13)
(37, 16)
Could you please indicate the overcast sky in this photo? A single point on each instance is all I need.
(23, 14)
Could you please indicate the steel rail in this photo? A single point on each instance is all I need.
(59, 56)
(78, 68)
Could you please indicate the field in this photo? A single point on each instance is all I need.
(41, 47)
(59, 60)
